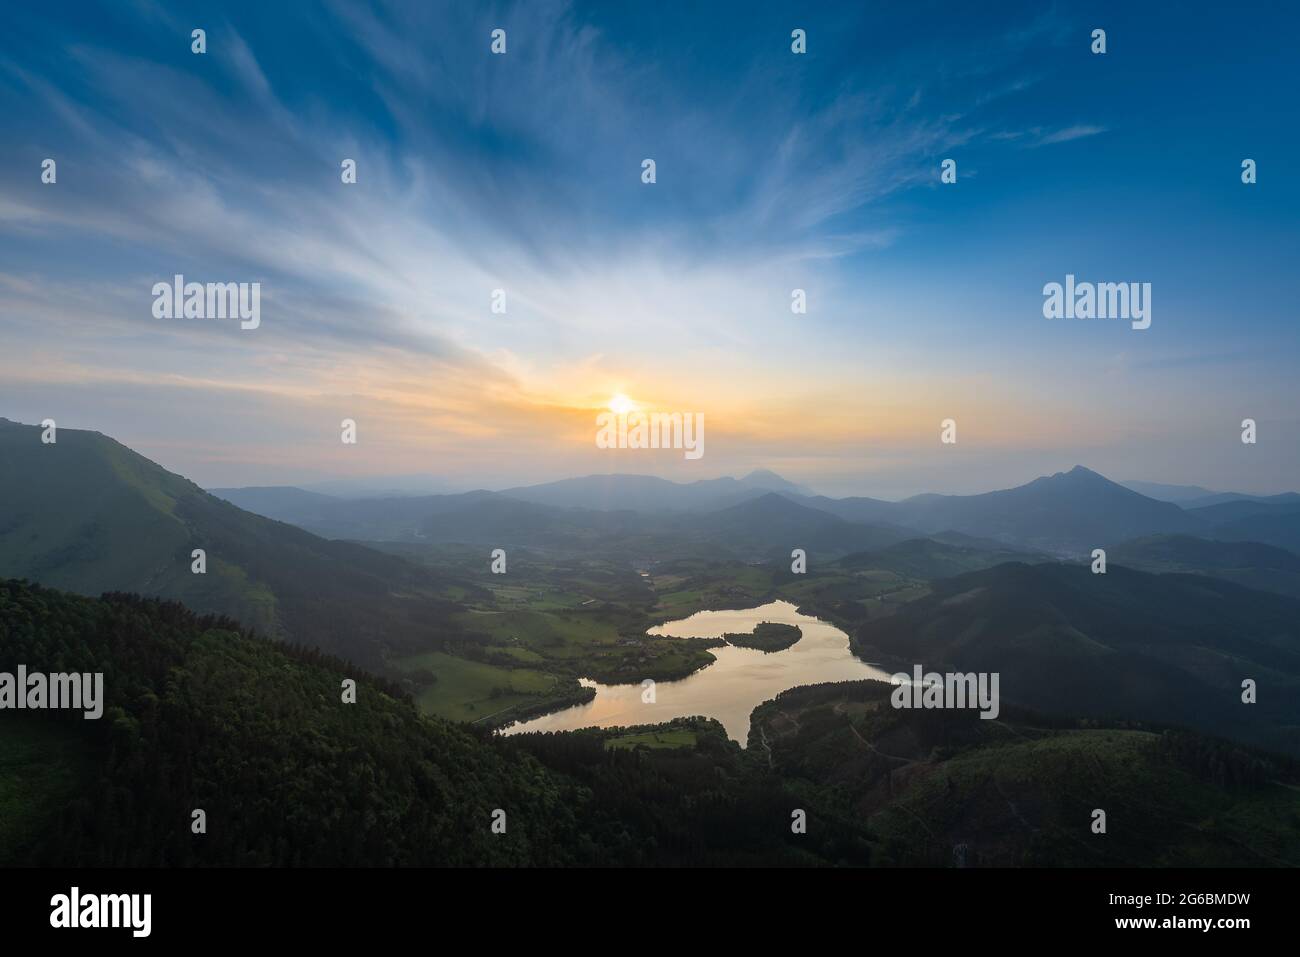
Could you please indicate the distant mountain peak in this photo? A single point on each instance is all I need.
(1079, 475)
(1083, 472)
(771, 500)
(767, 479)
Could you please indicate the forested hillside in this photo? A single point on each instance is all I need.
(88, 514)
(1123, 645)
(200, 715)
(946, 788)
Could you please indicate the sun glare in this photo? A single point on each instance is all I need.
(621, 405)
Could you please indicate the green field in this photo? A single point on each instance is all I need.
(655, 740)
(471, 690)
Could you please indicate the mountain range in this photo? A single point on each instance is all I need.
(89, 515)
(1066, 514)
(1193, 496)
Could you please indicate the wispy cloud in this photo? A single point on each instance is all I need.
(521, 172)
(1038, 136)
(1069, 133)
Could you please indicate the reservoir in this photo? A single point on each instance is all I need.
(731, 687)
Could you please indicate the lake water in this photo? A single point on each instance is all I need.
(731, 687)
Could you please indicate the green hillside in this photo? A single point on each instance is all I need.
(1252, 564)
(1125, 644)
(927, 559)
(89, 515)
(200, 715)
(950, 789)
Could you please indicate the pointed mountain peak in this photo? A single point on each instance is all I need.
(767, 479)
(1079, 475)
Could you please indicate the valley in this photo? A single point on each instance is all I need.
(610, 662)
(735, 681)
(532, 633)
(418, 555)
(255, 734)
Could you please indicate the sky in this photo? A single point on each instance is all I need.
(774, 171)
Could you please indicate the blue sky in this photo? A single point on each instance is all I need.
(774, 171)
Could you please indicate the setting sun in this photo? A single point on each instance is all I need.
(621, 405)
